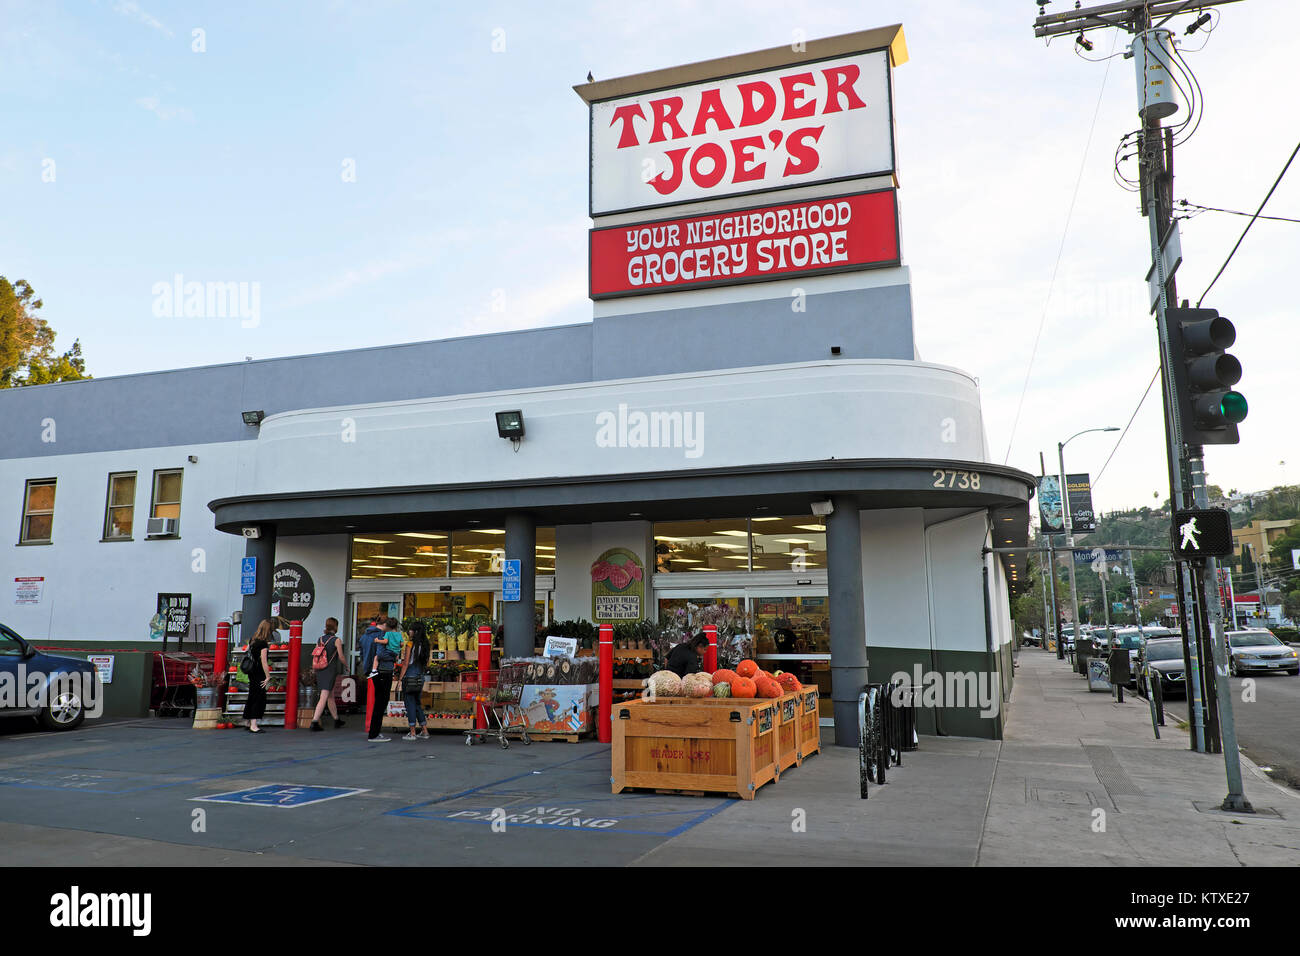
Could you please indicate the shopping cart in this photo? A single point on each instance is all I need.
(176, 680)
(497, 697)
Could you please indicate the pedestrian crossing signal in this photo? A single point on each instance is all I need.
(1201, 533)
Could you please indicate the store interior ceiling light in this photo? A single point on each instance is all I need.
(735, 534)
(764, 519)
(420, 534)
(686, 560)
(794, 540)
(373, 540)
(811, 527)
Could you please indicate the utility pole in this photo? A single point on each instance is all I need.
(1051, 554)
(1151, 51)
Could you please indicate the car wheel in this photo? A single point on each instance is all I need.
(64, 712)
(1232, 667)
(1295, 673)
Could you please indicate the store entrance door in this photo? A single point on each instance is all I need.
(365, 608)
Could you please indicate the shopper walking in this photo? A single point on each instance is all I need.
(414, 664)
(259, 675)
(367, 661)
(384, 658)
(327, 662)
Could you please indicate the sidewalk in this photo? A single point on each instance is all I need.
(1068, 753)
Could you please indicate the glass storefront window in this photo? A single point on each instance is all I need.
(411, 554)
(791, 625)
(439, 554)
(789, 544)
(714, 545)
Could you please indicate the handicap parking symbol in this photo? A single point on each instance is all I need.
(283, 795)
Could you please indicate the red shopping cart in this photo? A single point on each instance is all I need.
(497, 698)
(176, 680)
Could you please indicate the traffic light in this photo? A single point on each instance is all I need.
(1204, 373)
(1201, 533)
(1151, 592)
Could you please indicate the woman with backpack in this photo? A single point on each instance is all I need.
(258, 668)
(326, 663)
(415, 662)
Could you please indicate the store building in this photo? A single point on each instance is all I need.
(721, 433)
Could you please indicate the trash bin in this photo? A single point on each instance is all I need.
(1119, 666)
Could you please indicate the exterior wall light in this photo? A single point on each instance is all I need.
(254, 418)
(511, 425)
(822, 508)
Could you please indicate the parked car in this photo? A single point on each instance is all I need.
(62, 705)
(1165, 657)
(1257, 649)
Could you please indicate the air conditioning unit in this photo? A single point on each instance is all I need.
(161, 527)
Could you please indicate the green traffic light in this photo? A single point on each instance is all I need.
(1234, 407)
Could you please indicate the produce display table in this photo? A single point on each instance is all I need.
(695, 745)
(808, 724)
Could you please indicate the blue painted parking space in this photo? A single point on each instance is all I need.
(284, 795)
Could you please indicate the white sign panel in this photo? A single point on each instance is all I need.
(793, 126)
(28, 590)
(561, 647)
(104, 665)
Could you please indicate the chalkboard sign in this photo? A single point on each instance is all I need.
(174, 610)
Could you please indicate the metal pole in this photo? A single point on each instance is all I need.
(1153, 157)
(1069, 540)
(1236, 798)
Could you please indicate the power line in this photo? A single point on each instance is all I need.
(1126, 427)
(1184, 204)
(1248, 225)
(1059, 252)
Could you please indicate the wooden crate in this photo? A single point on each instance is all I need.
(809, 723)
(694, 745)
(788, 707)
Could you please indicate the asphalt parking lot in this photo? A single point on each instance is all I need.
(328, 797)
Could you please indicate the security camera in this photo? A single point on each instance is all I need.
(252, 532)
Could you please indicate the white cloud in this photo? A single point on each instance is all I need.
(132, 10)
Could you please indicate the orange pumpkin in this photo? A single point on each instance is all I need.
(747, 668)
(763, 673)
(789, 682)
(767, 687)
(743, 687)
(724, 675)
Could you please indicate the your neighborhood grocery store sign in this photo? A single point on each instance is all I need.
(796, 125)
(806, 238)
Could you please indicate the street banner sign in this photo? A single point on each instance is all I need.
(1051, 515)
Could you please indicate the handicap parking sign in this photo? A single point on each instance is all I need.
(248, 575)
(510, 571)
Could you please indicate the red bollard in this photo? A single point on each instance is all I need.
(291, 678)
(220, 660)
(604, 718)
(484, 665)
(711, 655)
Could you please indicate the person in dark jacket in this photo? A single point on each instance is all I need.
(384, 652)
(686, 657)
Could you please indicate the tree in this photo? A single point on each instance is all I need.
(1291, 605)
(27, 355)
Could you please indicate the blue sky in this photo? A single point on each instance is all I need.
(468, 210)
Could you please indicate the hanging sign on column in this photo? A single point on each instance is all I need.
(617, 587)
(510, 578)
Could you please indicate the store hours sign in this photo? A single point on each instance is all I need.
(795, 125)
(292, 592)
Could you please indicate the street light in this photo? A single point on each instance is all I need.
(1069, 524)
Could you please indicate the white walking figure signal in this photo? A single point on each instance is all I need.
(1189, 531)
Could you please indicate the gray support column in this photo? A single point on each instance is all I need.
(847, 614)
(257, 606)
(521, 544)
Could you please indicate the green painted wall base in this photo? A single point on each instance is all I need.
(935, 714)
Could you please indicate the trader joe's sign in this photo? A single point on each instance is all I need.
(791, 126)
(617, 587)
(804, 238)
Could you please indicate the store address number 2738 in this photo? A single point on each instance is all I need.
(965, 480)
